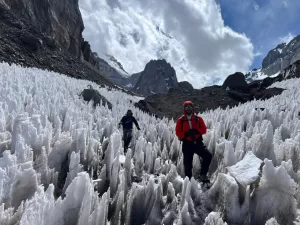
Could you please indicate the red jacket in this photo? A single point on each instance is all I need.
(182, 128)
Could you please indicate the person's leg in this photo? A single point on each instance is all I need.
(127, 138)
(129, 135)
(188, 154)
(206, 156)
(126, 144)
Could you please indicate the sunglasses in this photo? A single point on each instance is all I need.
(188, 107)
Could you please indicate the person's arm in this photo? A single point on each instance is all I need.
(179, 130)
(136, 124)
(121, 121)
(202, 129)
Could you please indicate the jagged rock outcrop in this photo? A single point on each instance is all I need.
(236, 81)
(87, 53)
(273, 55)
(91, 94)
(60, 20)
(182, 86)
(157, 77)
(292, 71)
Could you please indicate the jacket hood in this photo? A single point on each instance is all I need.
(129, 112)
(188, 103)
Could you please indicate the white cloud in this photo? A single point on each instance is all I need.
(256, 6)
(257, 54)
(190, 34)
(287, 38)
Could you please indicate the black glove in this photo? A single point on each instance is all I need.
(191, 133)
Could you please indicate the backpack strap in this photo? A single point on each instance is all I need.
(182, 121)
(198, 121)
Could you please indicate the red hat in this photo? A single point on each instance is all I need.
(188, 103)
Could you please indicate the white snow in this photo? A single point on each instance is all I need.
(62, 162)
(279, 50)
(114, 64)
(260, 75)
(129, 86)
(246, 171)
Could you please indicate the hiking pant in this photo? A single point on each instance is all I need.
(189, 148)
(127, 136)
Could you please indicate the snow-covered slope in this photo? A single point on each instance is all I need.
(258, 74)
(114, 64)
(277, 60)
(62, 161)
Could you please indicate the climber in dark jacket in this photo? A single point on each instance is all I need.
(189, 130)
(127, 123)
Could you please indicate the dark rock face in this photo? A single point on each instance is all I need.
(132, 80)
(235, 81)
(267, 93)
(157, 77)
(237, 96)
(87, 53)
(210, 98)
(20, 44)
(58, 19)
(272, 56)
(171, 104)
(184, 85)
(293, 71)
(93, 95)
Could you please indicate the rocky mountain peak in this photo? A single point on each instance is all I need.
(277, 60)
(282, 56)
(273, 55)
(157, 77)
(235, 81)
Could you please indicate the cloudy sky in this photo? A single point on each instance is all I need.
(204, 40)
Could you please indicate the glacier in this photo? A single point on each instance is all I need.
(62, 161)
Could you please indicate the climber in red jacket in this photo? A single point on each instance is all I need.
(189, 130)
